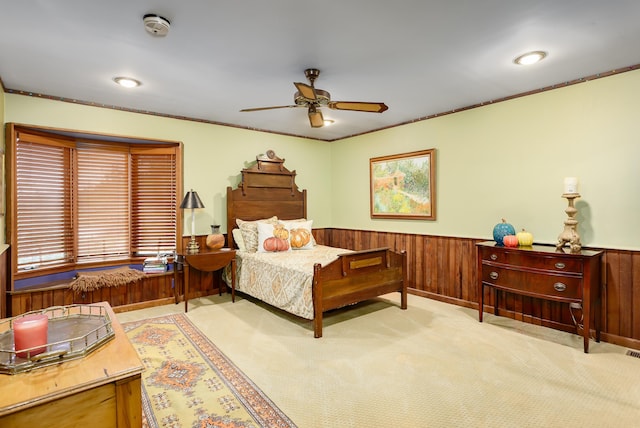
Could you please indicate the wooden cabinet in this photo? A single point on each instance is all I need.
(102, 389)
(546, 273)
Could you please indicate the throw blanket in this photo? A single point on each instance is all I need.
(92, 280)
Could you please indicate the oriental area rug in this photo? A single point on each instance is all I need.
(189, 383)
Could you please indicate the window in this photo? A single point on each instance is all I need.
(44, 222)
(79, 201)
(102, 203)
(154, 198)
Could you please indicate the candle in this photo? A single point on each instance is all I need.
(570, 185)
(30, 331)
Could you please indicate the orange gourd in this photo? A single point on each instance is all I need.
(510, 241)
(279, 231)
(274, 244)
(300, 237)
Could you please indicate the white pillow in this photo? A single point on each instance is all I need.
(249, 231)
(238, 239)
(297, 220)
(300, 234)
(273, 238)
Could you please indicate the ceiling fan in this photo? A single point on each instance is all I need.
(312, 98)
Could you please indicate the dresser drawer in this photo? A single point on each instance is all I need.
(545, 286)
(546, 262)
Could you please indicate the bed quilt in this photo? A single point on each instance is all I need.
(283, 279)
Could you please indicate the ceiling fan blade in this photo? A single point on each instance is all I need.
(306, 91)
(268, 108)
(358, 106)
(315, 118)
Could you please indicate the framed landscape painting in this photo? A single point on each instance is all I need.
(403, 186)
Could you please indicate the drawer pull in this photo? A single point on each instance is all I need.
(558, 286)
(493, 275)
(493, 257)
(560, 265)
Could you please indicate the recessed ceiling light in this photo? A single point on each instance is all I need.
(530, 58)
(127, 82)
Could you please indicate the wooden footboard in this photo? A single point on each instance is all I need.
(355, 277)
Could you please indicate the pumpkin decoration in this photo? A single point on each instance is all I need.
(279, 231)
(300, 237)
(525, 239)
(501, 230)
(510, 240)
(273, 244)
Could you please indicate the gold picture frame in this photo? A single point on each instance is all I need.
(403, 186)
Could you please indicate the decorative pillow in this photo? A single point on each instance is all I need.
(300, 236)
(238, 239)
(298, 220)
(249, 230)
(273, 238)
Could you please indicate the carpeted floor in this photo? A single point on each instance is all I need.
(188, 382)
(433, 365)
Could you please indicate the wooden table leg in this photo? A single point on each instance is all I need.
(233, 280)
(177, 281)
(186, 274)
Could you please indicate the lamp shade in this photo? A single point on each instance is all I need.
(191, 200)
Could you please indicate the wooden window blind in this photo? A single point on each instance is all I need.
(44, 224)
(154, 201)
(92, 202)
(102, 202)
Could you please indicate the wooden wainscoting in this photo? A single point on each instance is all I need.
(4, 279)
(444, 268)
(621, 298)
(154, 290)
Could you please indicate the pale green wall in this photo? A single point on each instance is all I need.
(504, 160)
(509, 160)
(213, 155)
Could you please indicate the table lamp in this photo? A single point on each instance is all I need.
(192, 201)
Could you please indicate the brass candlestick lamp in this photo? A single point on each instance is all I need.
(570, 233)
(192, 201)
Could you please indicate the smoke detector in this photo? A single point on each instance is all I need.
(156, 25)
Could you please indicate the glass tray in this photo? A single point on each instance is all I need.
(74, 331)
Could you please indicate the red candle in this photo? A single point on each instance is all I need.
(30, 331)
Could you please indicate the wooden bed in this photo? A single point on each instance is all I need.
(268, 189)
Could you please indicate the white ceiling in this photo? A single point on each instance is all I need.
(420, 57)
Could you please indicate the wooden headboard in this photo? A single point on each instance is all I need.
(267, 189)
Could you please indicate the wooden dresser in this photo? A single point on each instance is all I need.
(102, 389)
(545, 273)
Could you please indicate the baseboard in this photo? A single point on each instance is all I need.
(143, 305)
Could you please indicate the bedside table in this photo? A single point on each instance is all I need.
(205, 261)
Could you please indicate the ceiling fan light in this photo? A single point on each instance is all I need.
(530, 58)
(312, 98)
(127, 82)
(315, 118)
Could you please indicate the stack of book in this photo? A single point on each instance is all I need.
(155, 265)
